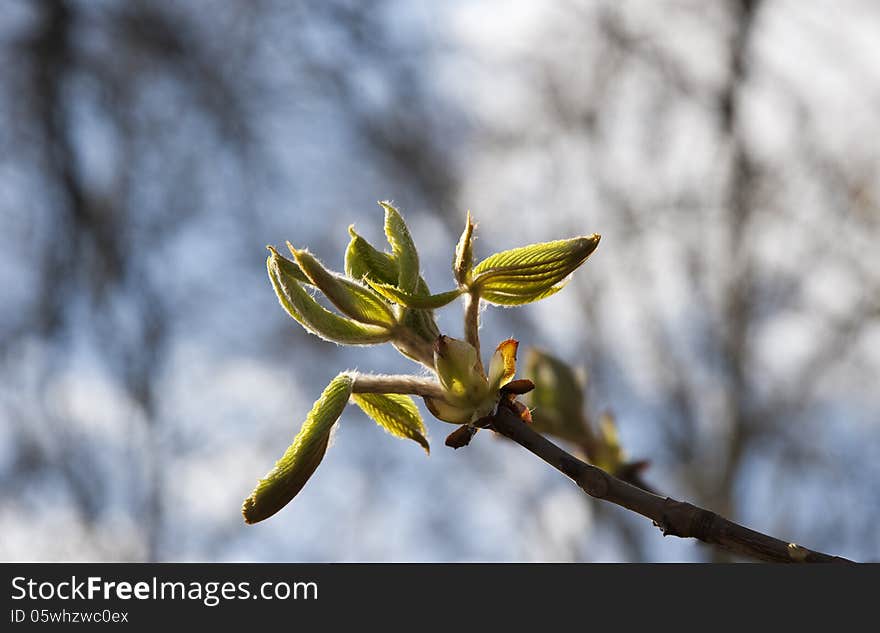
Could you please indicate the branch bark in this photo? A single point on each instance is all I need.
(674, 518)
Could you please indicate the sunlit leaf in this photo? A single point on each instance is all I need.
(536, 258)
(290, 268)
(349, 296)
(403, 249)
(506, 299)
(421, 321)
(395, 413)
(416, 301)
(315, 318)
(502, 367)
(292, 471)
(530, 273)
(362, 259)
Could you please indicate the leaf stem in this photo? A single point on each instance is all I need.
(383, 383)
(472, 324)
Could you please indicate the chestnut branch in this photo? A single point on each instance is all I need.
(674, 518)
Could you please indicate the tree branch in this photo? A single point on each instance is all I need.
(675, 518)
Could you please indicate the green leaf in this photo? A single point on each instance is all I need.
(315, 318)
(363, 260)
(402, 248)
(536, 258)
(350, 297)
(396, 413)
(464, 254)
(507, 299)
(422, 321)
(292, 471)
(527, 274)
(525, 282)
(416, 301)
(289, 268)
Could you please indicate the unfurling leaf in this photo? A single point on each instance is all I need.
(349, 296)
(415, 301)
(396, 413)
(362, 259)
(302, 457)
(502, 367)
(422, 321)
(536, 259)
(314, 317)
(364, 262)
(403, 249)
(289, 268)
(464, 254)
(530, 273)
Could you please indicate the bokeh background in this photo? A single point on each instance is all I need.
(728, 152)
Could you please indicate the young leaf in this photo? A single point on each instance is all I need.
(290, 473)
(350, 297)
(526, 282)
(289, 268)
(416, 301)
(502, 367)
(363, 260)
(315, 318)
(536, 258)
(422, 321)
(464, 254)
(402, 248)
(508, 299)
(396, 413)
(530, 273)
